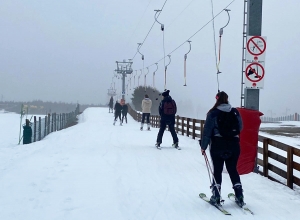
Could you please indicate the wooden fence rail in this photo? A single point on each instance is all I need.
(194, 128)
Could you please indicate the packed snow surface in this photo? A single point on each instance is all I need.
(95, 170)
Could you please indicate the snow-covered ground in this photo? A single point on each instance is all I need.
(95, 170)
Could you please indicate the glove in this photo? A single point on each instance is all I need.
(200, 142)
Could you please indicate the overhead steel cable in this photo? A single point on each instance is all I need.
(151, 28)
(139, 21)
(194, 33)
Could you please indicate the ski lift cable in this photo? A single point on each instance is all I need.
(151, 27)
(139, 21)
(215, 16)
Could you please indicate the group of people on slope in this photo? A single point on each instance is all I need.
(121, 110)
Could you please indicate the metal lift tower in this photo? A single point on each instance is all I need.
(123, 68)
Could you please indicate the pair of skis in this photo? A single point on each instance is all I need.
(231, 196)
(159, 147)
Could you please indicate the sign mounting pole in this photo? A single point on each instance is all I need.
(253, 55)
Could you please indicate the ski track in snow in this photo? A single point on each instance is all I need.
(95, 170)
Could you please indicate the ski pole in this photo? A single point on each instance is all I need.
(209, 167)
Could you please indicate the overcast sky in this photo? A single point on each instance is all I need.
(63, 50)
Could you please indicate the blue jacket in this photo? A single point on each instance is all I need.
(211, 127)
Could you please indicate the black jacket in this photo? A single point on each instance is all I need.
(27, 134)
(170, 118)
(125, 109)
(118, 107)
(211, 127)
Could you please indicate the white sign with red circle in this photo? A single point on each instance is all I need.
(255, 61)
(255, 73)
(256, 49)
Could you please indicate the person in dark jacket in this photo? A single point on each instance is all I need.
(124, 111)
(111, 105)
(167, 119)
(222, 150)
(118, 109)
(27, 132)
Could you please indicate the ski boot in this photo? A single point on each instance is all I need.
(175, 145)
(157, 145)
(114, 122)
(215, 199)
(148, 127)
(239, 197)
(142, 125)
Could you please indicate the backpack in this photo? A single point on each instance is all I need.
(228, 124)
(170, 108)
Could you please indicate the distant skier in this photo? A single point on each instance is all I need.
(221, 130)
(118, 109)
(111, 105)
(146, 109)
(167, 110)
(124, 111)
(27, 132)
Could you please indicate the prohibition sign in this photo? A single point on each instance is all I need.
(252, 69)
(252, 44)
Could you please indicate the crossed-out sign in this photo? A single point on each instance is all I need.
(255, 61)
(255, 72)
(256, 45)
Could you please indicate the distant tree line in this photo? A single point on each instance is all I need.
(139, 94)
(42, 108)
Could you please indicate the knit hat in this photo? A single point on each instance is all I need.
(165, 93)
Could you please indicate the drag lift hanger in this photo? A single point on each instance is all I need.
(166, 71)
(185, 57)
(154, 76)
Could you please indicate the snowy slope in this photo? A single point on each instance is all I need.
(95, 170)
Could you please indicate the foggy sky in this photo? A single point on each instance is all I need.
(67, 50)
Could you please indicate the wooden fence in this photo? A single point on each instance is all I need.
(194, 128)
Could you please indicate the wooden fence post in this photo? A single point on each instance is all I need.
(290, 167)
(194, 128)
(188, 127)
(265, 157)
(182, 125)
(201, 128)
(177, 123)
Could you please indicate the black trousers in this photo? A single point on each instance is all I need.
(228, 152)
(124, 115)
(117, 114)
(162, 128)
(147, 116)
